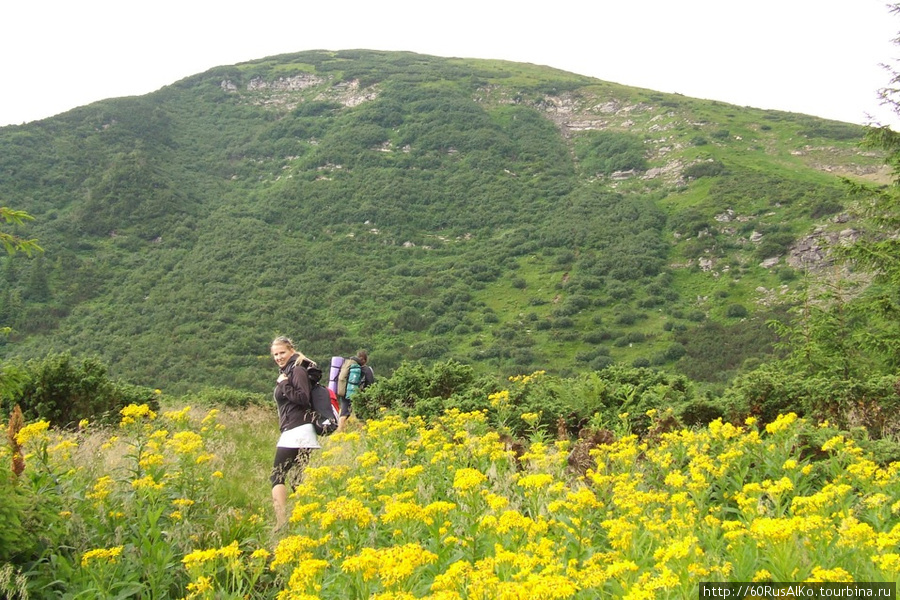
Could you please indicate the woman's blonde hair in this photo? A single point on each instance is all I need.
(283, 340)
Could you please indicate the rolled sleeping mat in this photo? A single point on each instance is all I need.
(336, 363)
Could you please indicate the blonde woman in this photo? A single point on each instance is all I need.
(295, 418)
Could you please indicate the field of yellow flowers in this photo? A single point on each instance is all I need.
(176, 505)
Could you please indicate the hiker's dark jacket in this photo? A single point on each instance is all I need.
(293, 396)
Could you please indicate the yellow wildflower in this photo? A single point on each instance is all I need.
(467, 478)
(137, 411)
(531, 418)
(345, 510)
(495, 501)
(31, 431)
(782, 423)
(304, 578)
(834, 443)
(108, 554)
(367, 459)
(151, 459)
(888, 563)
(404, 512)
(392, 565)
(147, 482)
(198, 557)
(203, 584)
(856, 534)
(186, 442)
(210, 417)
(535, 481)
(102, 488)
(837, 574)
(260, 553)
(177, 416)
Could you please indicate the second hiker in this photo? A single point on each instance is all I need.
(355, 375)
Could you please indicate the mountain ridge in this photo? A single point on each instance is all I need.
(511, 215)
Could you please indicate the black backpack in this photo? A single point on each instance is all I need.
(325, 404)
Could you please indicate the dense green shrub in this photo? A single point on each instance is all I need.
(563, 323)
(775, 244)
(710, 168)
(610, 396)
(431, 348)
(699, 412)
(597, 336)
(771, 390)
(714, 352)
(736, 311)
(601, 362)
(62, 390)
(825, 208)
(415, 388)
(605, 152)
(834, 130)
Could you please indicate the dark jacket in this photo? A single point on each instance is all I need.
(293, 396)
(368, 377)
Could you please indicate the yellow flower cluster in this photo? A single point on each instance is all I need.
(466, 479)
(391, 565)
(108, 555)
(499, 399)
(186, 442)
(136, 412)
(177, 416)
(526, 379)
(31, 431)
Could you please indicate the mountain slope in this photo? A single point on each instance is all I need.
(512, 216)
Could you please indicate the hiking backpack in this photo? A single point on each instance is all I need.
(324, 402)
(354, 379)
(349, 378)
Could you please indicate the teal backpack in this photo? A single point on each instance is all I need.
(354, 379)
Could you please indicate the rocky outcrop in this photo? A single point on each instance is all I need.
(282, 93)
(811, 253)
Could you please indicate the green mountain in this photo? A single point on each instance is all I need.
(511, 216)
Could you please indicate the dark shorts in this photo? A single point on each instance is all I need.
(346, 407)
(287, 459)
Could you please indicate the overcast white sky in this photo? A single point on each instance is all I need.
(819, 57)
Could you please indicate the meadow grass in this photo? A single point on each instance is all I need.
(177, 505)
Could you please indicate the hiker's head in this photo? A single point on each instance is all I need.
(362, 357)
(282, 350)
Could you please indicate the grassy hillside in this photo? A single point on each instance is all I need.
(511, 216)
